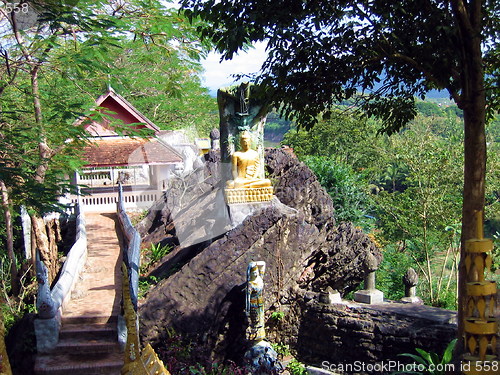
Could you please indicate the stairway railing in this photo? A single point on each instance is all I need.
(135, 362)
(50, 303)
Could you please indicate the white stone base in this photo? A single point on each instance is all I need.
(369, 296)
(415, 300)
(240, 211)
(330, 298)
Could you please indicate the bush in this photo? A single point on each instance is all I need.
(348, 190)
(296, 368)
(391, 271)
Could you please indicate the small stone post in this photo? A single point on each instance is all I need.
(370, 294)
(410, 280)
(329, 296)
(215, 140)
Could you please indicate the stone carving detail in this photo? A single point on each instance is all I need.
(4, 358)
(261, 357)
(255, 301)
(370, 294)
(44, 302)
(215, 139)
(410, 281)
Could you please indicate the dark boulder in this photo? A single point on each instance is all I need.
(302, 247)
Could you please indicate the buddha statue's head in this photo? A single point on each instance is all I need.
(245, 140)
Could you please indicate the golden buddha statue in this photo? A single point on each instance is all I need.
(245, 167)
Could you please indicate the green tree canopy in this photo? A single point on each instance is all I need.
(56, 57)
(53, 68)
(323, 52)
(349, 137)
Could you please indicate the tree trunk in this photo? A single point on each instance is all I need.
(473, 104)
(473, 194)
(472, 100)
(14, 282)
(48, 253)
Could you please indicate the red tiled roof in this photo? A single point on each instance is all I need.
(118, 151)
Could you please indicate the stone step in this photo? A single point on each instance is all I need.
(89, 331)
(79, 364)
(88, 319)
(85, 345)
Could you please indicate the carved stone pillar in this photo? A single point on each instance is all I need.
(370, 294)
(215, 139)
(410, 281)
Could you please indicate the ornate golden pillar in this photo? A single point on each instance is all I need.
(135, 362)
(480, 325)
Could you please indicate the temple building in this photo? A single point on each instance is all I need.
(142, 164)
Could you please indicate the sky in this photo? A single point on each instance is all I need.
(218, 74)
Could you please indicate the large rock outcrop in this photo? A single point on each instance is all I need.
(296, 235)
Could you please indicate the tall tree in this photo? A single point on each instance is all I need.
(324, 51)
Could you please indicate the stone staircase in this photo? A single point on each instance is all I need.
(88, 340)
(87, 345)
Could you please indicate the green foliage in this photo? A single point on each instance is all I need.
(415, 212)
(59, 68)
(51, 74)
(165, 86)
(216, 369)
(296, 368)
(496, 253)
(391, 271)
(414, 178)
(152, 254)
(278, 315)
(433, 364)
(181, 356)
(275, 123)
(282, 350)
(158, 251)
(13, 308)
(350, 138)
(428, 108)
(145, 284)
(347, 189)
(275, 129)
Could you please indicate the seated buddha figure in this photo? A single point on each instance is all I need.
(245, 167)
